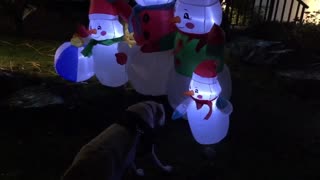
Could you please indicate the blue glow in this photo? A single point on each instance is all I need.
(67, 63)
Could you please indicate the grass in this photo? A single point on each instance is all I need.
(33, 57)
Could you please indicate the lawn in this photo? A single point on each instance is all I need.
(34, 57)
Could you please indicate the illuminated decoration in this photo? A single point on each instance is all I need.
(198, 17)
(207, 113)
(199, 38)
(102, 47)
(71, 65)
(109, 63)
(151, 60)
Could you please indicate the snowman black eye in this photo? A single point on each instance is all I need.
(99, 27)
(196, 91)
(186, 16)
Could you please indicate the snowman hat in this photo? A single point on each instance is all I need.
(200, 2)
(102, 10)
(206, 72)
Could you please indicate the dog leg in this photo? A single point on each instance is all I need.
(139, 171)
(165, 168)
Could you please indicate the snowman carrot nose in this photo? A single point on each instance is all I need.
(189, 93)
(92, 31)
(175, 20)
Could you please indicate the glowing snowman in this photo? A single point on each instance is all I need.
(106, 41)
(151, 59)
(196, 22)
(207, 113)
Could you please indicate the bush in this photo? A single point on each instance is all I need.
(306, 36)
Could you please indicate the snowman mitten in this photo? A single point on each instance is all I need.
(176, 115)
(121, 58)
(221, 103)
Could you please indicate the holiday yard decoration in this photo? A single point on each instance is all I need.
(151, 60)
(102, 45)
(207, 112)
(199, 38)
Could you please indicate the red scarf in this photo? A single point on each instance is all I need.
(200, 103)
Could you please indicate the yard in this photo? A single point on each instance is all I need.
(274, 131)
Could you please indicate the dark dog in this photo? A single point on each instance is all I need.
(109, 155)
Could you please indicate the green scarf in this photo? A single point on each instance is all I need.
(87, 51)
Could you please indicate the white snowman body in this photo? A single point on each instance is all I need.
(212, 130)
(179, 84)
(208, 123)
(148, 72)
(106, 68)
(107, 27)
(197, 17)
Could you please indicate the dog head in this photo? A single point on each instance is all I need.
(151, 112)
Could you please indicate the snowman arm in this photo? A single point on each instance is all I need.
(224, 106)
(121, 58)
(181, 109)
(81, 37)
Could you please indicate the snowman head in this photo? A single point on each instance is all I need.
(204, 84)
(104, 21)
(102, 29)
(152, 2)
(197, 16)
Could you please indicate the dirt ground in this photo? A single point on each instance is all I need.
(274, 131)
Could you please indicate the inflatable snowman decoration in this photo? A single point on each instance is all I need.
(207, 113)
(199, 38)
(104, 46)
(109, 63)
(151, 60)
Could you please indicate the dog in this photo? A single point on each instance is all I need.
(110, 155)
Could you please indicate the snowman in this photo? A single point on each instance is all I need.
(105, 46)
(207, 112)
(98, 51)
(151, 59)
(199, 38)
